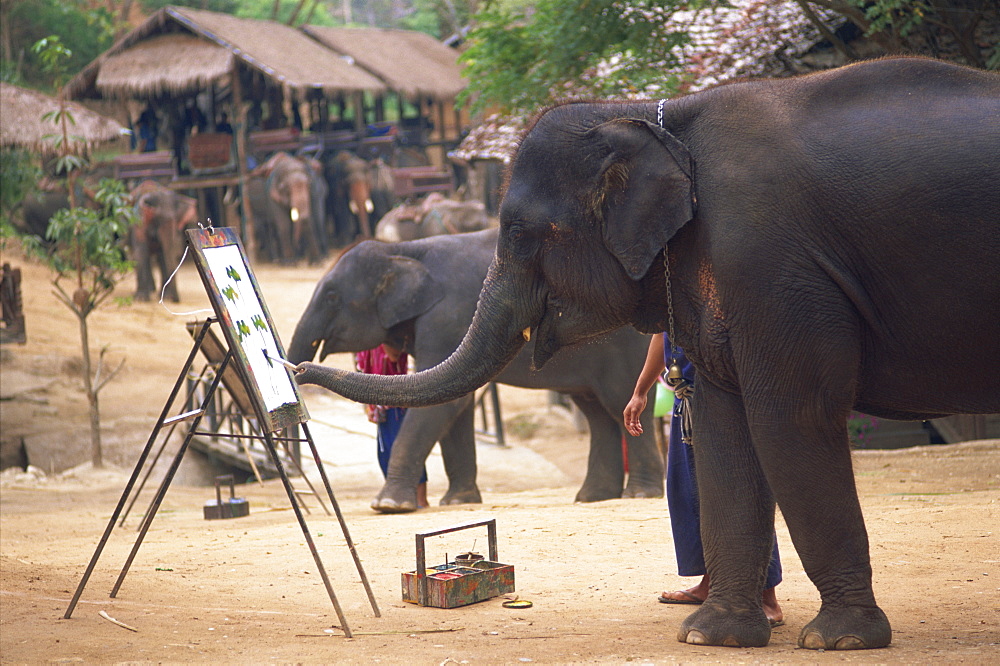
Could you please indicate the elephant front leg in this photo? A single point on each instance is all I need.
(169, 289)
(421, 429)
(737, 523)
(144, 285)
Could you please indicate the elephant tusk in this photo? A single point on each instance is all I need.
(295, 214)
(526, 333)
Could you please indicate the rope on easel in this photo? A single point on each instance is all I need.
(170, 279)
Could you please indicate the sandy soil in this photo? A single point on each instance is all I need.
(248, 591)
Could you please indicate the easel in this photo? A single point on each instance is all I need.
(269, 422)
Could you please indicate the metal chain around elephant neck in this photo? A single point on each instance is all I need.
(683, 388)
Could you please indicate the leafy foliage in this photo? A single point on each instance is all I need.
(523, 58)
(939, 28)
(83, 243)
(18, 175)
(223, 6)
(85, 33)
(86, 243)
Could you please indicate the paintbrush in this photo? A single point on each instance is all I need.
(291, 366)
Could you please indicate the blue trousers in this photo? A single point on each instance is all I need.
(387, 431)
(682, 500)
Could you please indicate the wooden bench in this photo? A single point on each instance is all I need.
(411, 181)
(158, 164)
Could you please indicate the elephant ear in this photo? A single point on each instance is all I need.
(646, 192)
(405, 291)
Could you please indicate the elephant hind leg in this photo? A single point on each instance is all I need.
(606, 464)
(458, 449)
(169, 289)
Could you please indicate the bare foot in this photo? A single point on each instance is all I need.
(698, 594)
(422, 496)
(771, 608)
(692, 595)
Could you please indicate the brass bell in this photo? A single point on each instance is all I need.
(674, 374)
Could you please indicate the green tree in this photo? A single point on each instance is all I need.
(960, 30)
(18, 175)
(523, 57)
(85, 32)
(83, 243)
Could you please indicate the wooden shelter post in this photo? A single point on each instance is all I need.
(241, 130)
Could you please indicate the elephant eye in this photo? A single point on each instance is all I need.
(520, 239)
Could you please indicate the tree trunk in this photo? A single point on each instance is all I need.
(96, 455)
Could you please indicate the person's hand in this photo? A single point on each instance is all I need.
(631, 414)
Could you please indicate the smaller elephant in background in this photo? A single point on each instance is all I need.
(163, 214)
(287, 196)
(349, 179)
(419, 296)
(433, 216)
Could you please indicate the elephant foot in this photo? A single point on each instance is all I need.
(713, 625)
(597, 493)
(461, 497)
(847, 628)
(389, 505)
(642, 491)
(395, 501)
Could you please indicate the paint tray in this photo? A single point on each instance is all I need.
(457, 584)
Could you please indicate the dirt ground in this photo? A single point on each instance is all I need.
(248, 591)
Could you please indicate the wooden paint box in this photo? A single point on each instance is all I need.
(456, 584)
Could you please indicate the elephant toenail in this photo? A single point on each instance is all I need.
(813, 641)
(695, 637)
(731, 642)
(850, 643)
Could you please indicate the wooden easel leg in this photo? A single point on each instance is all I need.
(269, 441)
(155, 506)
(135, 472)
(340, 518)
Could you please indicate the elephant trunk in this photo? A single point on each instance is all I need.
(304, 345)
(492, 341)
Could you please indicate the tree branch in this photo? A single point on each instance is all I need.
(837, 42)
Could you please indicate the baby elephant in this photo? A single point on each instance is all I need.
(420, 296)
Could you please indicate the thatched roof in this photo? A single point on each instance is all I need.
(21, 123)
(413, 63)
(173, 63)
(281, 53)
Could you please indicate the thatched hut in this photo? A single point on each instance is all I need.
(418, 68)
(21, 122)
(181, 51)
(188, 67)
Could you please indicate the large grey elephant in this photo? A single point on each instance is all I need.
(833, 243)
(420, 296)
(157, 240)
(287, 195)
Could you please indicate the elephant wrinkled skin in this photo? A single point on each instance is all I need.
(833, 242)
(420, 296)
